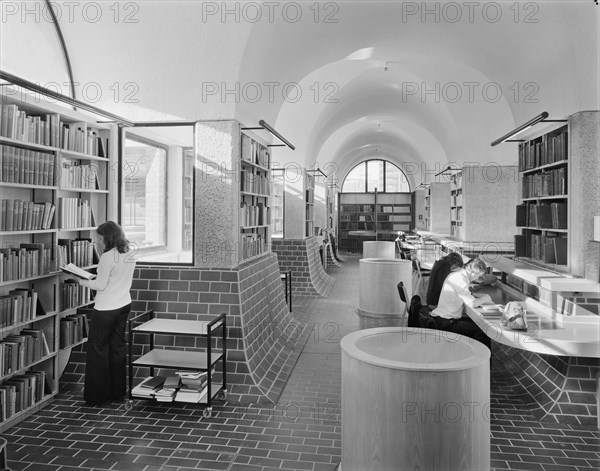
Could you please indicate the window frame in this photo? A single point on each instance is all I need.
(366, 185)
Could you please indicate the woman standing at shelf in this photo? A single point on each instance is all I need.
(105, 368)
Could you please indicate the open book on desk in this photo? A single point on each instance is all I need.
(72, 269)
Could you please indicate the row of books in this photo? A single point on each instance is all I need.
(81, 252)
(19, 305)
(252, 244)
(357, 208)
(255, 182)
(545, 150)
(179, 387)
(309, 212)
(73, 329)
(551, 183)
(543, 248)
(456, 214)
(26, 261)
(75, 212)
(544, 216)
(21, 392)
(254, 152)
(21, 215)
(19, 351)
(26, 166)
(456, 181)
(72, 294)
(255, 215)
(49, 130)
(77, 175)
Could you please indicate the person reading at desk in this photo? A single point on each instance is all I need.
(439, 272)
(454, 296)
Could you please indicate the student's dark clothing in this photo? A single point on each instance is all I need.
(105, 369)
(463, 326)
(440, 270)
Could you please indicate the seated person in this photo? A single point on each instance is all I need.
(440, 270)
(455, 294)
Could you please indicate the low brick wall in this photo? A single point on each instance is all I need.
(301, 256)
(264, 340)
(553, 388)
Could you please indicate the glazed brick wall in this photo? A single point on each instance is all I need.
(263, 339)
(554, 388)
(301, 256)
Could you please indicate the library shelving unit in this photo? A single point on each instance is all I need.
(188, 199)
(205, 360)
(437, 206)
(480, 197)
(559, 194)
(255, 192)
(54, 178)
(277, 204)
(309, 204)
(233, 215)
(372, 216)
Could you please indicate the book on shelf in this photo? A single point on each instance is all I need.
(78, 272)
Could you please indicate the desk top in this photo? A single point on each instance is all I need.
(547, 332)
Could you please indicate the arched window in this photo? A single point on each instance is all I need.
(380, 174)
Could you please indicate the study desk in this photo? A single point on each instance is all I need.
(547, 333)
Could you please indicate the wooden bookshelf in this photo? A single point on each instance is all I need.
(559, 194)
(437, 208)
(309, 205)
(48, 155)
(277, 204)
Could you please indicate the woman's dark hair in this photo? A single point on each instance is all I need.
(114, 237)
(454, 259)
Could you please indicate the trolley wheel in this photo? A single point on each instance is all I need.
(129, 405)
(207, 413)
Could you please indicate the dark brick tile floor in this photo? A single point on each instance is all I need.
(302, 431)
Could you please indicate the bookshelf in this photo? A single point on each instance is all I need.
(233, 203)
(188, 199)
(482, 199)
(372, 216)
(277, 204)
(55, 185)
(437, 205)
(559, 194)
(309, 204)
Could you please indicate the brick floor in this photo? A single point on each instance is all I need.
(301, 432)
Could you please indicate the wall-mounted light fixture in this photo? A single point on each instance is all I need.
(263, 125)
(422, 185)
(448, 170)
(541, 118)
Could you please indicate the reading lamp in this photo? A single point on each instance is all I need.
(539, 118)
(34, 87)
(447, 170)
(422, 184)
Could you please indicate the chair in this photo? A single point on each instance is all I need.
(403, 298)
(420, 272)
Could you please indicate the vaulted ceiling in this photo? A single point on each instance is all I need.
(420, 83)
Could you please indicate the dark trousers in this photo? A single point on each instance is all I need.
(105, 366)
(463, 326)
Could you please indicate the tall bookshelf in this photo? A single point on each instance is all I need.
(277, 204)
(309, 204)
(54, 177)
(559, 194)
(437, 205)
(372, 216)
(233, 203)
(188, 200)
(482, 198)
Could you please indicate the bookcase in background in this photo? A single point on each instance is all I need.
(309, 203)
(277, 203)
(188, 199)
(560, 193)
(55, 176)
(233, 213)
(437, 208)
(372, 216)
(481, 203)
